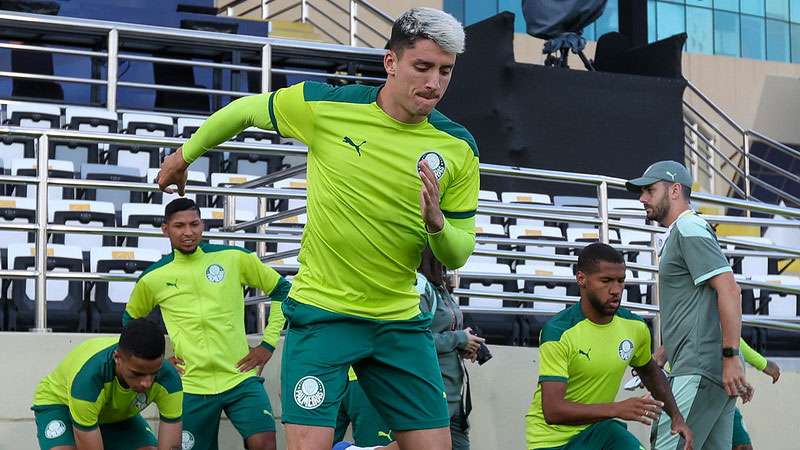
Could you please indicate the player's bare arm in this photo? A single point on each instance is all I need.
(730, 315)
(88, 440)
(169, 435)
(560, 411)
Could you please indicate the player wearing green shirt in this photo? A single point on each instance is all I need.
(701, 312)
(93, 398)
(387, 175)
(199, 289)
(584, 352)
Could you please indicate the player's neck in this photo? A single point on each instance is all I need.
(592, 314)
(393, 109)
(674, 213)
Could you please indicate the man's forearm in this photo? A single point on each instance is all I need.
(169, 435)
(655, 381)
(730, 318)
(565, 412)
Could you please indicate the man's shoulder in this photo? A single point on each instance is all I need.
(169, 378)
(351, 93)
(627, 314)
(96, 370)
(692, 225)
(215, 248)
(559, 324)
(160, 264)
(453, 129)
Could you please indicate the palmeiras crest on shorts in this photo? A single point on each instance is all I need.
(187, 440)
(625, 349)
(215, 273)
(309, 392)
(54, 429)
(140, 402)
(435, 162)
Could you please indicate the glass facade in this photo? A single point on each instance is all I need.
(756, 29)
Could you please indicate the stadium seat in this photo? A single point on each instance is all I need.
(491, 231)
(568, 201)
(291, 183)
(15, 147)
(93, 120)
(111, 173)
(33, 115)
(486, 196)
(627, 205)
(249, 204)
(580, 234)
(209, 162)
(134, 156)
(546, 287)
(147, 124)
(213, 221)
(66, 309)
(529, 198)
(750, 266)
(57, 169)
(258, 164)
(484, 283)
(195, 178)
(536, 233)
(775, 303)
(110, 298)
(14, 210)
(145, 216)
(82, 213)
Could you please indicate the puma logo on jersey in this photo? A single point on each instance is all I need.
(350, 142)
(173, 284)
(585, 353)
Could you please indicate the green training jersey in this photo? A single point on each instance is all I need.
(690, 324)
(365, 234)
(591, 359)
(85, 381)
(201, 297)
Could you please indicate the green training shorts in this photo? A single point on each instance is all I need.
(607, 434)
(54, 429)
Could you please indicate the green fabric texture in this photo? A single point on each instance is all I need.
(369, 428)
(604, 435)
(54, 429)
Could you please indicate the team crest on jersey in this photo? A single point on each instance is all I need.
(626, 349)
(435, 162)
(54, 429)
(215, 273)
(187, 440)
(309, 392)
(140, 402)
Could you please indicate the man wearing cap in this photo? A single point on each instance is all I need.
(701, 311)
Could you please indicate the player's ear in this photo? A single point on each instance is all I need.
(390, 63)
(164, 229)
(580, 277)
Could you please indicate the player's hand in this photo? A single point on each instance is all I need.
(660, 356)
(258, 356)
(642, 409)
(178, 363)
(733, 377)
(173, 171)
(429, 199)
(473, 341)
(679, 427)
(773, 370)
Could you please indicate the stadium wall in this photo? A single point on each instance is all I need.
(502, 390)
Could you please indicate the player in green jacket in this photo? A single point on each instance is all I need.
(93, 398)
(199, 289)
(387, 175)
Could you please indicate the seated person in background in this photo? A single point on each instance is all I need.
(584, 351)
(741, 438)
(94, 397)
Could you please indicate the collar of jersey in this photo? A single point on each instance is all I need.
(583, 318)
(391, 120)
(180, 256)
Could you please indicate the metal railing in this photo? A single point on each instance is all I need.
(719, 148)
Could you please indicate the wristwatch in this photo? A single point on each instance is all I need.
(730, 352)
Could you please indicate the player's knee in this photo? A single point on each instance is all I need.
(261, 441)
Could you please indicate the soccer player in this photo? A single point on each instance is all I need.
(94, 397)
(199, 289)
(701, 311)
(387, 175)
(584, 351)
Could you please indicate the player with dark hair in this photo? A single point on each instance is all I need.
(583, 353)
(199, 289)
(387, 175)
(94, 398)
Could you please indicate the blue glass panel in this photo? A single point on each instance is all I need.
(700, 28)
(778, 9)
(456, 8)
(651, 20)
(588, 32)
(727, 5)
(670, 19)
(726, 33)
(477, 10)
(794, 11)
(753, 7)
(609, 21)
(777, 40)
(515, 6)
(795, 43)
(706, 3)
(753, 37)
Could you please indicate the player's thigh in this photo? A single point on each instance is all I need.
(248, 408)
(430, 439)
(54, 427)
(131, 434)
(402, 379)
(721, 435)
(201, 415)
(306, 437)
(369, 427)
(701, 402)
(607, 434)
(741, 438)
(319, 348)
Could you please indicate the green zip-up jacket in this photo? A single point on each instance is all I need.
(201, 297)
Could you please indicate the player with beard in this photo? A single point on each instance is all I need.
(701, 312)
(584, 352)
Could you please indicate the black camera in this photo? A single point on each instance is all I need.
(483, 354)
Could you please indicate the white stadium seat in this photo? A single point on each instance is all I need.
(82, 213)
(546, 270)
(115, 257)
(485, 285)
(145, 216)
(33, 115)
(56, 168)
(57, 290)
